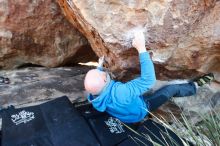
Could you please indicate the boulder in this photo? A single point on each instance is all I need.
(34, 85)
(183, 36)
(36, 32)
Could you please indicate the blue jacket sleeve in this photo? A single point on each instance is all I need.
(100, 68)
(141, 84)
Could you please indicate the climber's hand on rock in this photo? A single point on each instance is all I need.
(101, 61)
(139, 41)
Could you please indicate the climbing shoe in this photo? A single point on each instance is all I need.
(205, 79)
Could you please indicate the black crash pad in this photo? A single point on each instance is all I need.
(55, 123)
(111, 132)
(60, 123)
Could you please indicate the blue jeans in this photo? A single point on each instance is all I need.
(159, 97)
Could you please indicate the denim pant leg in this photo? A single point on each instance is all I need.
(162, 95)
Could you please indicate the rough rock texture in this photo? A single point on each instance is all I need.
(36, 32)
(37, 84)
(183, 35)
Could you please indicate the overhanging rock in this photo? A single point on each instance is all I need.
(182, 35)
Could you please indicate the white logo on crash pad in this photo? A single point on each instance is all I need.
(114, 125)
(22, 117)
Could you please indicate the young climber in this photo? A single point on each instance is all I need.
(125, 101)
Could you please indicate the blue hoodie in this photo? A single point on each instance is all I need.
(124, 100)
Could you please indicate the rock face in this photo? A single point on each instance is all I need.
(36, 32)
(182, 35)
(37, 84)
